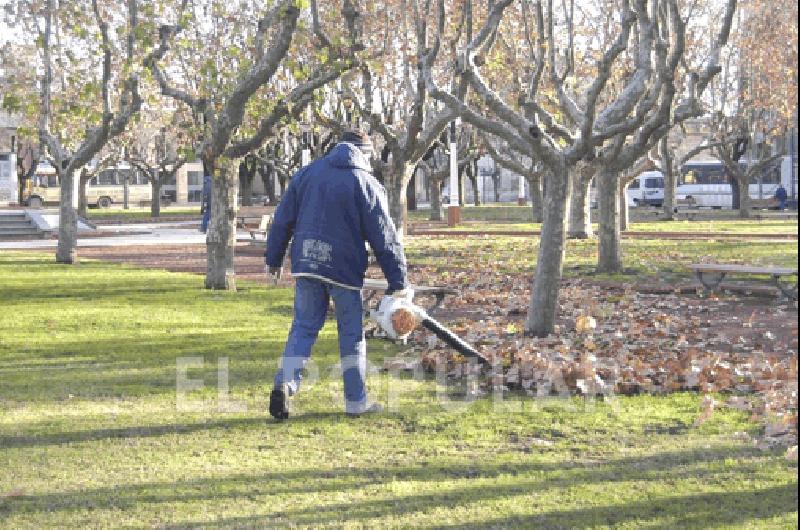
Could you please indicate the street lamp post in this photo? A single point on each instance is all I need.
(453, 209)
(521, 195)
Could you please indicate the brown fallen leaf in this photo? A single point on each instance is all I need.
(791, 454)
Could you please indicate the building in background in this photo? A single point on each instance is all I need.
(9, 185)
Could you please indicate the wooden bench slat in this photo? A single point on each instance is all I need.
(745, 269)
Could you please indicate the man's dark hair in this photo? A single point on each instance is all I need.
(358, 138)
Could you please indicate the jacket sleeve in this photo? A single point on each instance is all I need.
(280, 233)
(379, 231)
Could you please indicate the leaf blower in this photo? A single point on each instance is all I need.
(398, 317)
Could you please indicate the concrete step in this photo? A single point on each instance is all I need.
(11, 230)
(16, 224)
(22, 237)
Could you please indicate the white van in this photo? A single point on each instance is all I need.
(646, 190)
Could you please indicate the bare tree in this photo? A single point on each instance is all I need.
(110, 123)
(223, 111)
(520, 164)
(593, 118)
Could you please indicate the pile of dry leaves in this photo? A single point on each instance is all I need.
(616, 340)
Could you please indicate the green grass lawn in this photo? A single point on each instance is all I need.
(518, 218)
(645, 257)
(91, 436)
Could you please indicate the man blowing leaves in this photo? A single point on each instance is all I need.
(331, 207)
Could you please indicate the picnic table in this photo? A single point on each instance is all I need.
(687, 207)
(262, 230)
(250, 215)
(712, 274)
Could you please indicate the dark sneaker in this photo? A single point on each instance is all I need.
(278, 405)
(375, 408)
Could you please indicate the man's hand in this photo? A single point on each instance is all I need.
(274, 273)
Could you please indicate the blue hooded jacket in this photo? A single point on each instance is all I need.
(329, 209)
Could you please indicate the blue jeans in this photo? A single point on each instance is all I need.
(311, 298)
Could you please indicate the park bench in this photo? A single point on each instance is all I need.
(711, 275)
(763, 204)
(263, 228)
(687, 207)
(372, 287)
(250, 215)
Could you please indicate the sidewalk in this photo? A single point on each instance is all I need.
(176, 233)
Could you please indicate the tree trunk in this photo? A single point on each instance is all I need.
(496, 182)
(473, 178)
(67, 251)
(745, 211)
(669, 192)
(396, 181)
(535, 184)
(83, 201)
(246, 183)
(544, 295)
(668, 169)
(624, 210)
(609, 258)
(221, 238)
(462, 188)
(437, 211)
(268, 178)
(476, 196)
(411, 192)
(580, 220)
(155, 202)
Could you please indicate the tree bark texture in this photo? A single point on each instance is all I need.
(496, 182)
(580, 220)
(67, 251)
(396, 179)
(624, 209)
(247, 173)
(221, 238)
(83, 201)
(745, 210)
(437, 211)
(670, 182)
(411, 192)
(609, 258)
(268, 178)
(155, 202)
(476, 195)
(537, 199)
(544, 295)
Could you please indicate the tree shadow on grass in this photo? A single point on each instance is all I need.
(463, 487)
(699, 510)
(42, 371)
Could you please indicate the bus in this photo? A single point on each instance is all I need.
(708, 182)
(103, 190)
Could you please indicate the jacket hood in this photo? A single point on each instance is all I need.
(346, 155)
